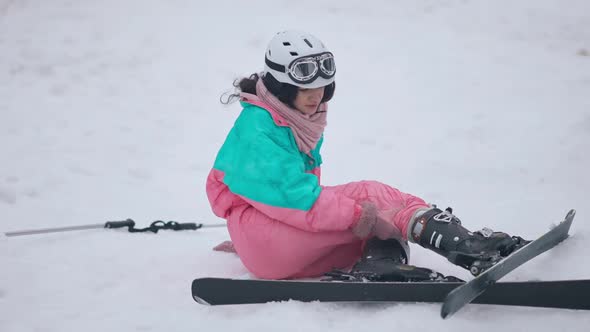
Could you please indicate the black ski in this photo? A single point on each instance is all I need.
(470, 291)
(565, 294)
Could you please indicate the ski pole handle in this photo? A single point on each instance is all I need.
(119, 224)
(182, 226)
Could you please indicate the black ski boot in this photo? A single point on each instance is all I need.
(386, 260)
(441, 231)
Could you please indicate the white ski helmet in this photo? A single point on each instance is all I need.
(300, 59)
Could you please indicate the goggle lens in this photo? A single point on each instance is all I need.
(304, 70)
(328, 66)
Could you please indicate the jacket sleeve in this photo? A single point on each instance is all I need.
(268, 172)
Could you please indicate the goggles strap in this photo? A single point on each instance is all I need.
(274, 65)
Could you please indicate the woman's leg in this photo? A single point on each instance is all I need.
(394, 206)
(273, 250)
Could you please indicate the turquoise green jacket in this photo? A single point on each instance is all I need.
(261, 165)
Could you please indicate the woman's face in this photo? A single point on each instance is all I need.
(308, 100)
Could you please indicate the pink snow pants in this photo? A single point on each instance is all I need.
(271, 249)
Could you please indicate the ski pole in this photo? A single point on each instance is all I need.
(129, 223)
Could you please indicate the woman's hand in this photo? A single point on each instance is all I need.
(366, 223)
(376, 223)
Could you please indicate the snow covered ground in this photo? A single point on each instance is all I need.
(109, 110)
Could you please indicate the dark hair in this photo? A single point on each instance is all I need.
(283, 91)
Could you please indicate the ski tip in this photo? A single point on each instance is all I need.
(571, 214)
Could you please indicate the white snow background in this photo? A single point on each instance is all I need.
(109, 110)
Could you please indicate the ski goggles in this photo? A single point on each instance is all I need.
(307, 69)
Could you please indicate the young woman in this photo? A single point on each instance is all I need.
(284, 224)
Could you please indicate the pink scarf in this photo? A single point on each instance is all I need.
(307, 129)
